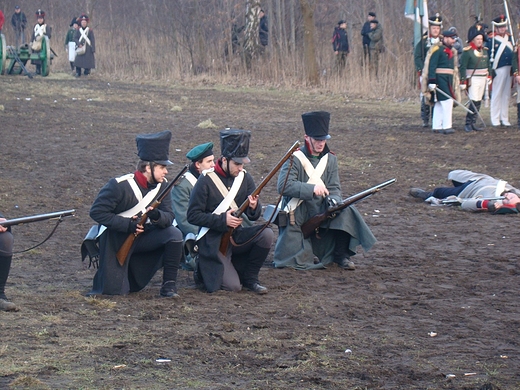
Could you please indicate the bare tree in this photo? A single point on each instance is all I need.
(311, 65)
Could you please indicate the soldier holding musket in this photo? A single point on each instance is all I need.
(428, 40)
(501, 57)
(474, 74)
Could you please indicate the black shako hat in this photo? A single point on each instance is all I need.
(435, 20)
(500, 21)
(316, 124)
(234, 145)
(74, 21)
(449, 34)
(154, 147)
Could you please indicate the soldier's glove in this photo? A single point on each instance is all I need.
(489, 80)
(432, 87)
(462, 87)
(132, 225)
(154, 215)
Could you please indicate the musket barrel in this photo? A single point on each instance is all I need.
(36, 218)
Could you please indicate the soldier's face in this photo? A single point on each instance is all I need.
(435, 31)
(317, 145)
(510, 199)
(206, 163)
(234, 167)
(501, 30)
(478, 40)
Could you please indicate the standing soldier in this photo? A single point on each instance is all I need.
(366, 39)
(340, 45)
(19, 21)
(84, 37)
(419, 55)
(39, 31)
(70, 45)
(501, 57)
(376, 45)
(441, 71)
(474, 74)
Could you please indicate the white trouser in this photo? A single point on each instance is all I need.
(500, 95)
(477, 89)
(442, 115)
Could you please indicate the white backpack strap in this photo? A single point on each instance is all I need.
(229, 197)
(84, 35)
(313, 173)
(191, 178)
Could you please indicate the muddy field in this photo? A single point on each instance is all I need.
(434, 305)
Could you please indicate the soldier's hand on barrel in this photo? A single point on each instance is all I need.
(320, 190)
(432, 87)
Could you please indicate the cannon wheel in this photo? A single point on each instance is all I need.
(3, 54)
(45, 56)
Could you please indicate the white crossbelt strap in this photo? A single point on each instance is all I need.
(39, 30)
(501, 186)
(313, 173)
(503, 43)
(229, 197)
(84, 35)
(142, 202)
(192, 180)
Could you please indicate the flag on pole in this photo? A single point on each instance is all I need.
(417, 10)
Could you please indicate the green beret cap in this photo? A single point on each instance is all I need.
(200, 151)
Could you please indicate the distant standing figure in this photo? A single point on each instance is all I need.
(458, 45)
(366, 39)
(70, 45)
(264, 28)
(84, 36)
(39, 31)
(376, 45)
(19, 21)
(340, 45)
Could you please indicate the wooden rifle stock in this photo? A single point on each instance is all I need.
(36, 218)
(123, 252)
(226, 237)
(313, 224)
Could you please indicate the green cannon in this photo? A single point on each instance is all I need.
(13, 61)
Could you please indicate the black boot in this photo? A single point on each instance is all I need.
(172, 258)
(518, 113)
(249, 277)
(5, 266)
(469, 122)
(475, 116)
(341, 250)
(425, 112)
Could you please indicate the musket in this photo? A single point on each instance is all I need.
(226, 237)
(53, 52)
(509, 23)
(123, 252)
(313, 224)
(36, 218)
(454, 101)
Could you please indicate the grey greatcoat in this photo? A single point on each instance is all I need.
(482, 187)
(291, 249)
(114, 198)
(87, 60)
